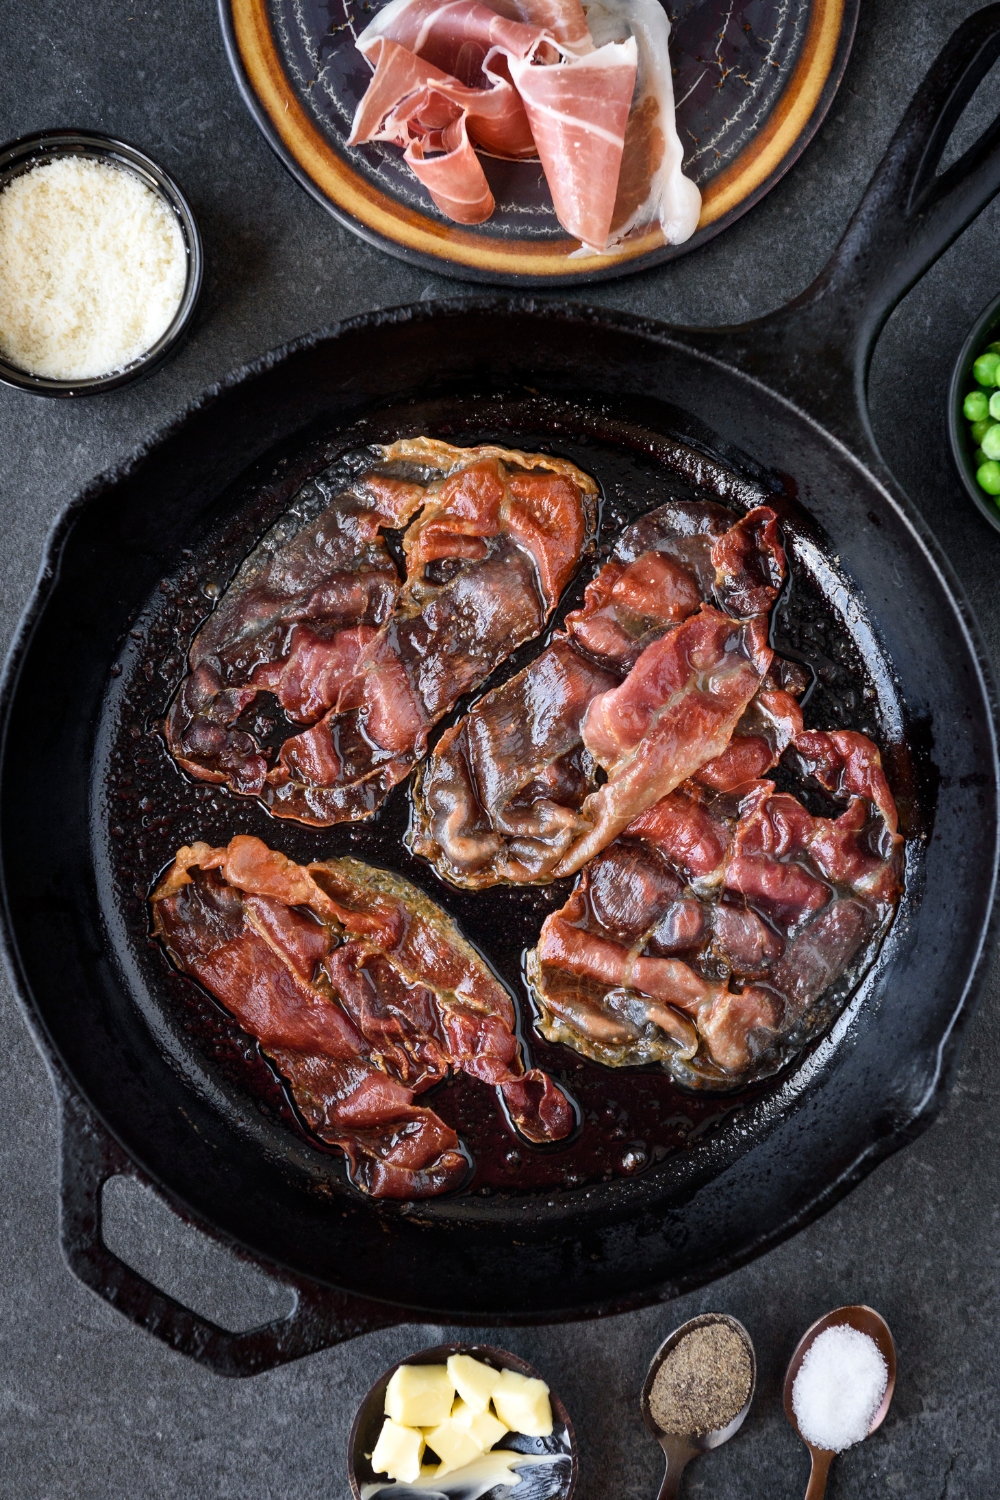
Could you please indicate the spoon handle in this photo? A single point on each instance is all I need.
(677, 1453)
(821, 1460)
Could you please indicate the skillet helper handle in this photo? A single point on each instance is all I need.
(816, 350)
(910, 213)
(320, 1318)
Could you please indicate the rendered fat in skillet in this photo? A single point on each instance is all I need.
(315, 683)
(363, 994)
(512, 793)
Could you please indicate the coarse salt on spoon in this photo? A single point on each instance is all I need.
(863, 1320)
(681, 1442)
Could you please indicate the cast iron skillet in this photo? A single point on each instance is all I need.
(789, 390)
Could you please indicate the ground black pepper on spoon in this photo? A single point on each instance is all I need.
(698, 1391)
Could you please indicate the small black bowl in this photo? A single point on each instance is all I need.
(45, 146)
(985, 330)
(549, 1481)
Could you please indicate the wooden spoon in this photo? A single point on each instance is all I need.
(865, 1320)
(680, 1448)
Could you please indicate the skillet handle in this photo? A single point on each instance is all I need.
(910, 213)
(818, 348)
(320, 1318)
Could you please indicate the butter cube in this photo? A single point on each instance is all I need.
(398, 1452)
(452, 1446)
(419, 1395)
(482, 1426)
(523, 1403)
(473, 1380)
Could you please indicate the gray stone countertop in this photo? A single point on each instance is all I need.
(92, 1408)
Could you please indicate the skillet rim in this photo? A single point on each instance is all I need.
(692, 342)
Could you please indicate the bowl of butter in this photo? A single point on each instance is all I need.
(462, 1421)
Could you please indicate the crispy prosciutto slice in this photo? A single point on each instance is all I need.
(359, 664)
(676, 709)
(292, 623)
(544, 82)
(508, 791)
(498, 538)
(708, 934)
(772, 721)
(363, 994)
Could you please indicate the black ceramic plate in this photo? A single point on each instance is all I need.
(752, 82)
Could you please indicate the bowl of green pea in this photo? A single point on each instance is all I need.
(974, 414)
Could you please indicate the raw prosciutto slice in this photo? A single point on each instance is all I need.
(711, 935)
(565, 20)
(457, 36)
(322, 622)
(578, 111)
(407, 88)
(292, 623)
(500, 799)
(570, 99)
(652, 188)
(363, 994)
(452, 174)
(436, 119)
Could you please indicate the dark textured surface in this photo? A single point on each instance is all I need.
(93, 1408)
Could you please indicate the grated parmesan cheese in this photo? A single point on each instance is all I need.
(92, 269)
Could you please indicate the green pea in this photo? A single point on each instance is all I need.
(979, 429)
(990, 443)
(988, 476)
(976, 405)
(978, 458)
(994, 347)
(995, 406)
(985, 368)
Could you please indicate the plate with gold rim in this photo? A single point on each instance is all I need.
(753, 82)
